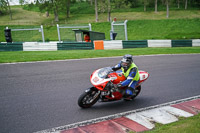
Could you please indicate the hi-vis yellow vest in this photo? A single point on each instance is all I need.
(137, 76)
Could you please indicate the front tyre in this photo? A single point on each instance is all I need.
(89, 98)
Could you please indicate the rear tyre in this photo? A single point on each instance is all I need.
(89, 98)
(137, 91)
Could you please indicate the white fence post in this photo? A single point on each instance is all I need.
(125, 26)
(42, 33)
(58, 33)
(90, 27)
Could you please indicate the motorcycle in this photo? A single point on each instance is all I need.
(104, 88)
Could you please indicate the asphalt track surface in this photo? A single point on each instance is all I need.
(43, 95)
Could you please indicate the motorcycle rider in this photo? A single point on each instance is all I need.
(130, 71)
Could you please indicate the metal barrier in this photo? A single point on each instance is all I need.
(71, 27)
(31, 29)
(116, 30)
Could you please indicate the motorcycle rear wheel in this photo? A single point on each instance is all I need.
(89, 98)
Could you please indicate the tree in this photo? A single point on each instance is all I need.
(3, 7)
(21, 2)
(55, 9)
(96, 11)
(132, 3)
(105, 6)
(91, 2)
(156, 6)
(123, 3)
(167, 6)
(68, 8)
(109, 11)
(44, 6)
(145, 5)
(50, 5)
(9, 9)
(186, 4)
(178, 3)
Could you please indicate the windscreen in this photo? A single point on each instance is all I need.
(104, 72)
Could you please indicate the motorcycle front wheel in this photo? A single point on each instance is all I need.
(89, 98)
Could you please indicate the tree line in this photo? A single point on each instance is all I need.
(55, 6)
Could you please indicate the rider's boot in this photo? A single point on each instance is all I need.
(129, 94)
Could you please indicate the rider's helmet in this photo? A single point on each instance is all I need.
(126, 61)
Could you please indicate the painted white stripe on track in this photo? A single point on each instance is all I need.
(176, 111)
(141, 120)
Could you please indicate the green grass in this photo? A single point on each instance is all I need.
(164, 29)
(184, 125)
(79, 8)
(24, 17)
(25, 56)
(182, 24)
(137, 30)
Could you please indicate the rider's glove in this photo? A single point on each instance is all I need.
(119, 85)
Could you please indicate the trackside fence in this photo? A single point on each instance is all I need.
(98, 45)
(30, 33)
(121, 29)
(67, 31)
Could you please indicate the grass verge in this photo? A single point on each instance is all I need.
(184, 125)
(137, 30)
(26, 56)
(182, 24)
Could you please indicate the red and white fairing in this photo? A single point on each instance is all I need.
(115, 77)
(104, 82)
(143, 76)
(96, 80)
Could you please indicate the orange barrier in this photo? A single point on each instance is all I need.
(98, 45)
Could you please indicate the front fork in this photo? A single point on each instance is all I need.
(93, 90)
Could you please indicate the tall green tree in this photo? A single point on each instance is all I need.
(68, 7)
(145, 5)
(96, 10)
(91, 2)
(55, 5)
(105, 6)
(9, 9)
(178, 3)
(133, 3)
(44, 6)
(167, 7)
(50, 6)
(186, 4)
(21, 2)
(156, 6)
(123, 3)
(109, 11)
(3, 7)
